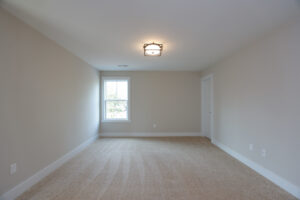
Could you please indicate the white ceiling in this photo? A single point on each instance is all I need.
(195, 33)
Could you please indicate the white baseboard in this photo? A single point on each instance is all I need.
(281, 182)
(28, 183)
(151, 134)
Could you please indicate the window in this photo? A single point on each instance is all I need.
(115, 99)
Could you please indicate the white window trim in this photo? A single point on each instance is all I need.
(103, 111)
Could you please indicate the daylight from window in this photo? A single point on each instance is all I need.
(115, 99)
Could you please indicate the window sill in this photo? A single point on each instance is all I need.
(115, 121)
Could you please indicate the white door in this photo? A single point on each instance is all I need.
(207, 106)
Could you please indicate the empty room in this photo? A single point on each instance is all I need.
(149, 100)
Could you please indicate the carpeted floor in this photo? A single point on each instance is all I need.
(154, 169)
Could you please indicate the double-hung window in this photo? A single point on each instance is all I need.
(115, 99)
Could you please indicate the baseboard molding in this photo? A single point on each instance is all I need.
(28, 183)
(151, 134)
(281, 182)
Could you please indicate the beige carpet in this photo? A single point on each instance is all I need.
(154, 169)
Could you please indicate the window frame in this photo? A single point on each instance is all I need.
(103, 107)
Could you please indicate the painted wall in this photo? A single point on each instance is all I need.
(171, 100)
(49, 101)
(257, 101)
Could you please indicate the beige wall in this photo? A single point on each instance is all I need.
(169, 99)
(49, 101)
(257, 101)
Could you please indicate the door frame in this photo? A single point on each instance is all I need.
(211, 78)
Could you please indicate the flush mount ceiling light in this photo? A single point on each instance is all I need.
(153, 49)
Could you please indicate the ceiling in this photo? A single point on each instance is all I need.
(195, 33)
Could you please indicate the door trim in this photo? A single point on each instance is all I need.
(211, 77)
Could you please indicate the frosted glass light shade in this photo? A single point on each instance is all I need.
(153, 49)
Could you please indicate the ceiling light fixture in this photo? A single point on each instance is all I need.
(153, 49)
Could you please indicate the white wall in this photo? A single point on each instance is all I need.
(49, 101)
(257, 101)
(171, 100)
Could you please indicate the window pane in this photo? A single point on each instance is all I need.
(110, 89)
(122, 90)
(116, 109)
(116, 89)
